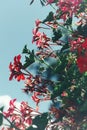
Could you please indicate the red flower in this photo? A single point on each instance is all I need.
(15, 69)
(82, 56)
(82, 63)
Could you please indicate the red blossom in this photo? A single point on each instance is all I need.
(15, 69)
(82, 64)
(79, 44)
(82, 56)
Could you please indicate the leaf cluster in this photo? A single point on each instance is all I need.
(29, 59)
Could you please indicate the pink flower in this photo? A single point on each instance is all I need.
(35, 98)
(64, 94)
(11, 103)
(22, 116)
(11, 108)
(37, 22)
(40, 38)
(75, 44)
(68, 6)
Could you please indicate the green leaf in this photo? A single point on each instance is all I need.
(68, 21)
(41, 69)
(42, 2)
(1, 115)
(56, 35)
(83, 107)
(26, 50)
(29, 59)
(31, 2)
(85, 74)
(82, 30)
(85, 0)
(31, 128)
(40, 121)
(49, 17)
(55, 1)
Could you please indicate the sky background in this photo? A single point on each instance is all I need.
(16, 23)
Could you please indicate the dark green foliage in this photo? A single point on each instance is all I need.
(49, 18)
(26, 50)
(65, 48)
(55, 1)
(31, 2)
(1, 116)
(40, 121)
(41, 1)
(83, 6)
(82, 30)
(68, 21)
(56, 35)
(28, 59)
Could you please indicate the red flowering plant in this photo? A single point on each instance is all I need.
(60, 65)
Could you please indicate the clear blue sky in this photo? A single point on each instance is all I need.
(16, 24)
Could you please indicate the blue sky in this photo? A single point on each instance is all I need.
(16, 24)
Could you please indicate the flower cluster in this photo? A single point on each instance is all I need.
(16, 68)
(69, 7)
(39, 92)
(20, 116)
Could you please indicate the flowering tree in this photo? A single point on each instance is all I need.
(61, 71)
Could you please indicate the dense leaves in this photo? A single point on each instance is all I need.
(28, 59)
(56, 35)
(49, 18)
(82, 30)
